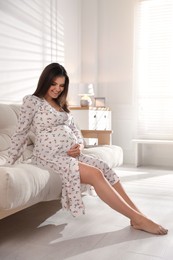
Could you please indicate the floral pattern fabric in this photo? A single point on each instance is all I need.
(55, 133)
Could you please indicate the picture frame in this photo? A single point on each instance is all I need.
(100, 101)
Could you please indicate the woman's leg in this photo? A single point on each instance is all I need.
(93, 176)
(119, 188)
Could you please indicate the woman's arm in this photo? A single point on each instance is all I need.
(20, 137)
(77, 148)
(76, 131)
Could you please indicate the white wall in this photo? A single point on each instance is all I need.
(116, 68)
(89, 39)
(71, 12)
(109, 58)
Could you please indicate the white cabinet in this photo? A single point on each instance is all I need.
(92, 118)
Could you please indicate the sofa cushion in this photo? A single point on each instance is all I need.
(8, 115)
(25, 183)
(111, 154)
(5, 137)
(5, 142)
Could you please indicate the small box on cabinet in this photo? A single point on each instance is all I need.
(100, 101)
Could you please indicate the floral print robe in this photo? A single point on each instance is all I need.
(55, 133)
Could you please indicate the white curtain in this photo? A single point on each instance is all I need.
(31, 36)
(154, 69)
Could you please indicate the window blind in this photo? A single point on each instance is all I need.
(154, 69)
(31, 36)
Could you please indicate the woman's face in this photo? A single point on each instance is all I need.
(56, 88)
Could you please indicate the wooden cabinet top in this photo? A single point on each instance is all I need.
(89, 108)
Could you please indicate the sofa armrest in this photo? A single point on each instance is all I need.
(103, 136)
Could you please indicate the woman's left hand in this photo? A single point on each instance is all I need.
(75, 150)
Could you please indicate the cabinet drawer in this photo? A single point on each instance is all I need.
(93, 119)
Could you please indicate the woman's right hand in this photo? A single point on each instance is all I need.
(75, 150)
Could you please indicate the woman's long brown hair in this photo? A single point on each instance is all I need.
(46, 79)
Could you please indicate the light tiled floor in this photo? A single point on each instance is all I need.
(45, 232)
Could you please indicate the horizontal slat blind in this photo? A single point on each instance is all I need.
(154, 69)
(31, 36)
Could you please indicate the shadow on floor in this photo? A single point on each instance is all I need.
(28, 226)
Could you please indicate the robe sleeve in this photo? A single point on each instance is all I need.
(76, 130)
(20, 137)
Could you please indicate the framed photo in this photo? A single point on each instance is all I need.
(100, 101)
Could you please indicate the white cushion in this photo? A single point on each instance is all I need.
(25, 183)
(111, 154)
(8, 115)
(5, 137)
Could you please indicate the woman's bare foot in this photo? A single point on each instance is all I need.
(149, 226)
(131, 222)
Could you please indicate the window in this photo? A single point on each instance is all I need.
(154, 69)
(31, 36)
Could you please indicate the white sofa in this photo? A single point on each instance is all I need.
(23, 184)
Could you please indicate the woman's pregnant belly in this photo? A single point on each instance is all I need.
(54, 141)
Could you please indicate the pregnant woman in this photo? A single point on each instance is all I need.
(58, 147)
